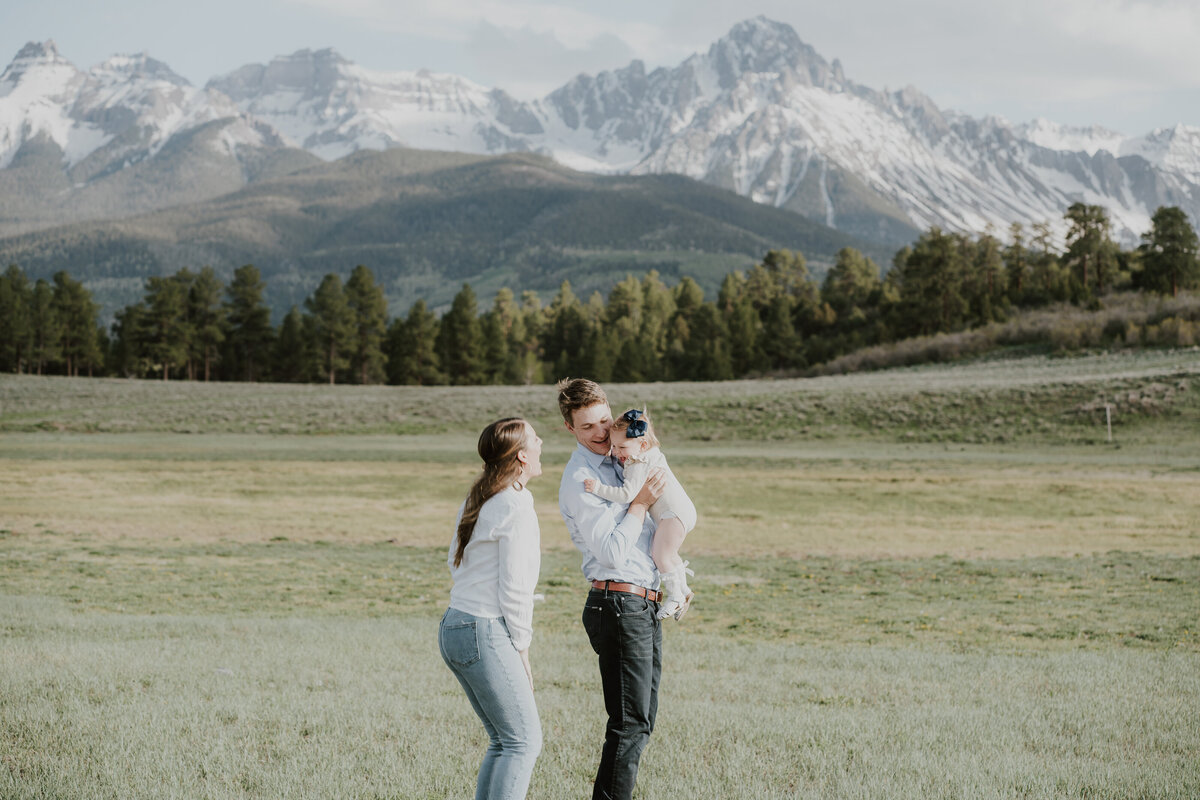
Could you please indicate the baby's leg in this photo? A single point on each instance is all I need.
(665, 548)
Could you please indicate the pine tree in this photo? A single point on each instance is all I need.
(45, 327)
(566, 334)
(164, 321)
(658, 306)
(128, 347)
(931, 288)
(369, 307)
(249, 333)
(412, 348)
(779, 342)
(293, 359)
(1016, 263)
(76, 313)
(333, 323)
(16, 332)
(850, 282)
(459, 343)
(742, 323)
(1091, 254)
(631, 357)
(207, 318)
(1169, 252)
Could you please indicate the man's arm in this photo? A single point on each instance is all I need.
(608, 532)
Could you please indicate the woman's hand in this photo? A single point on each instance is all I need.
(528, 669)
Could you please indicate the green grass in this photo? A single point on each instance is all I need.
(1154, 397)
(229, 614)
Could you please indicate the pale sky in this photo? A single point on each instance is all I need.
(1129, 65)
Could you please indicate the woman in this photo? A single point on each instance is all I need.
(485, 634)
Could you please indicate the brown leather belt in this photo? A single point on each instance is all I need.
(628, 588)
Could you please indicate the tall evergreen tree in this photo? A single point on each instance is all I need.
(849, 283)
(931, 288)
(333, 322)
(294, 360)
(1091, 254)
(249, 333)
(707, 352)
(164, 321)
(412, 348)
(207, 319)
(658, 306)
(76, 312)
(1048, 280)
(459, 343)
(369, 307)
(1169, 252)
(45, 326)
(1016, 263)
(16, 331)
(566, 334)
(743, 324)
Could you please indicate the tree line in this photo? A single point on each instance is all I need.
(772, 317)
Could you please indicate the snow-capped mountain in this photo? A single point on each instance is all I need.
(332, 107)
(760, 113)
(126, 108)
(128, 135)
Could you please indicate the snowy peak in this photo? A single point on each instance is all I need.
(120, 113)
(140, 67)
(758, 112)
(38, 69)
(332, 107)
(760, 45)
(1175, 149)
(1054, 136)
(306, 72)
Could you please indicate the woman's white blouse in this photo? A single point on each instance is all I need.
(499, 568)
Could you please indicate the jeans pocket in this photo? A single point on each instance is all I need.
(592, 622)
(460, 644)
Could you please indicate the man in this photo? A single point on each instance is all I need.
(620, 615)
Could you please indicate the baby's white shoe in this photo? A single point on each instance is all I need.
(679, 596)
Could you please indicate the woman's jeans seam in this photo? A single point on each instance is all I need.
(499, 692)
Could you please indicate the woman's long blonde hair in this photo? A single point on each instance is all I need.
(498, 447)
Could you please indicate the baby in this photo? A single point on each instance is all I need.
(635, 445)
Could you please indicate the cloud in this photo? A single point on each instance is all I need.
(529, 63)
(1012, 58)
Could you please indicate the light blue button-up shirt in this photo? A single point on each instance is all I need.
(615, 546)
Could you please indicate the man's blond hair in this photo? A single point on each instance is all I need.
(577, 393)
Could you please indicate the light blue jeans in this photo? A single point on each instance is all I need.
(480, 653)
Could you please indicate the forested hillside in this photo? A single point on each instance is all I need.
(775, 318)
(425, 222)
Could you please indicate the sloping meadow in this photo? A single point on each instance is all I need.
(938, 582)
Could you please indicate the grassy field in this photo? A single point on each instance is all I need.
(233, 591)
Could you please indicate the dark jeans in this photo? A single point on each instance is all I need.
(627, 636)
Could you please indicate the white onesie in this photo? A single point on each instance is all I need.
(674, 501)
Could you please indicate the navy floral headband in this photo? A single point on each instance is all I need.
(637, 424)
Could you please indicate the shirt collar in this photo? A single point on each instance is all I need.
(593, 460)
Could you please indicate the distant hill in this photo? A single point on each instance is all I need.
(427, 221)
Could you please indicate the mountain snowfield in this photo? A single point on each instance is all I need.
(126, 108)
(760, 113)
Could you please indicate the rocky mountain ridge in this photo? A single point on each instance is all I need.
(760, 113)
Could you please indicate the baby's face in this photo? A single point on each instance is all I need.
(625, 448)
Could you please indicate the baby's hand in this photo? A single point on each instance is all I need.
(589, 484)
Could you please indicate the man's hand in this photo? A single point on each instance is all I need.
(589, 484)
(652, 489)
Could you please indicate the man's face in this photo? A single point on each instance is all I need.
(591, 426)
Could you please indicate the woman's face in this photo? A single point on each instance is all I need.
(532, 452)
